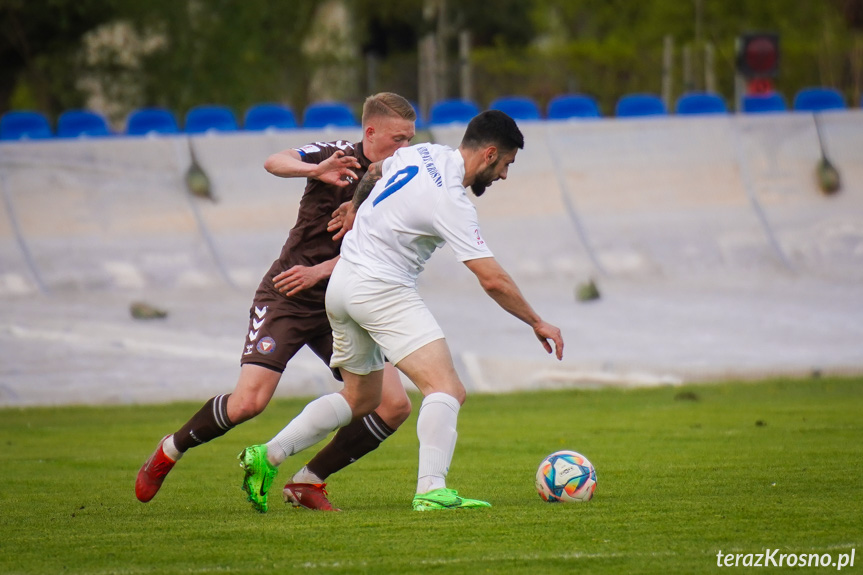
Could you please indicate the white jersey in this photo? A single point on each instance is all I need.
(418, 205)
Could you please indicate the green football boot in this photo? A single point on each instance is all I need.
(259, 475)
(445, 499)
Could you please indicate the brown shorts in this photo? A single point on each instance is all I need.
(279, 328)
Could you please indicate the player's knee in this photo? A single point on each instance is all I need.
(362, 402)
(403, 408)
(245, 408)
(455, 388)
(395, 410)
(460, 394)
(363, 406)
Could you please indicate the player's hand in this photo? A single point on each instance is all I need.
(544, 332)
(343, 220)
(296, 279)
(338, 170)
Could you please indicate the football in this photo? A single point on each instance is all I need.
(565, 476)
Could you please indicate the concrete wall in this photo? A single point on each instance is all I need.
(681, 195)
(114, 213)
(715, 252)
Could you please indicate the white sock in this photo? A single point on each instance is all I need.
(319, 418)
(170, 449)
(304, 475)
(436, 430)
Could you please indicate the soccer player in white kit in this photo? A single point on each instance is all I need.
(418, 202)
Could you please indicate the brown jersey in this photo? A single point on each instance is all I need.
(280, 326)
(309, 243)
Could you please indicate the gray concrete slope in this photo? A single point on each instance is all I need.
(715, 253)
(114, 213)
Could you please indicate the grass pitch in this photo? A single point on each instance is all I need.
(683, 473)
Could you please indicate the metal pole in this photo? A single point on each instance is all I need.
(709, 73)
(668, 71)
(464, 65)
(427, 76)
(427, 85)
(739, 82)
(440, 50)
(688, 84)
(696, 52)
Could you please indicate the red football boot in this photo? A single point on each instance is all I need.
(153, 473)
(308, 495)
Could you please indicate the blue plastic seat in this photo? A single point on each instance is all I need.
(269, 116)
(210, 118)
(24, 125)
(453, 111)
(517, 107)
(420, 121)
(568, 106)
(694, 103)
(146, 121)
(635, 105)
(819, 99)
(81, 123)
(762, 104)
(329, 114)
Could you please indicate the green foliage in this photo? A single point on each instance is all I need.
(233, 52)
(736, 467)
(610, 48)
(37, 49)
(237, 52)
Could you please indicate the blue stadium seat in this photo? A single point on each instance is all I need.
(420, 121)
(210, 118)
(694, 103)
(329, 114)
(635, 105)
(146, 121)
(453, 111)
(761, 104)
(81, 123)
(818, 99)
(568, 106)
(24, 125)
(269, 116)
(517, 107)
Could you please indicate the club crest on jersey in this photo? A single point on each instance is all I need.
(266, 346)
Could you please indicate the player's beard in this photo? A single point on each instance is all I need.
(484, 179)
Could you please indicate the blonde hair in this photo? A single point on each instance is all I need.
(388, 104)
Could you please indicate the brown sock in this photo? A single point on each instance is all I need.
(349, 444)
(210, 422)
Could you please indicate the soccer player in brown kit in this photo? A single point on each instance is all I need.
(288, 310)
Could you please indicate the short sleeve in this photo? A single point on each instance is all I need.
(455, 220)
(317, 152)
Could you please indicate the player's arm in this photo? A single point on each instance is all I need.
(501, 288)
(337, 169)
(371, 177)
(343, 217)
(293, 281)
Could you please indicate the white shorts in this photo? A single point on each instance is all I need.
(372, 319)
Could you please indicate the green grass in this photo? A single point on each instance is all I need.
(683, 473)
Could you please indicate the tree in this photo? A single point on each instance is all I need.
(231, 52)
(38, 44)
